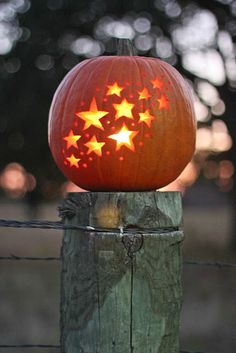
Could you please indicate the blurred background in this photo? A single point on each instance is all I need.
(40, 41)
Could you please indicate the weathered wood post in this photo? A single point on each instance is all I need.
(121, 288)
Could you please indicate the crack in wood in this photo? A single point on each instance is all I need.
(121, 292)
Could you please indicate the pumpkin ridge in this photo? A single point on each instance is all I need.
(179, 88)
(59, 118)
(150, 65)
(126, 73)
(75, 79)
(167, 163)
(102, 175)
(142, 134)
(68, 95)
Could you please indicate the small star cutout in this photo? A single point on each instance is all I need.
(146, 117)
(73, 161)
(71, 139)
(114, 89)
(163, 102)
(144, 94)
(95, 146)
(92, 116)
(157, 83)
(124, 138)
(123, 109)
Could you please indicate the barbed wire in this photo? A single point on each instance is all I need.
(208, 263)
(59, 225)
(49, 346)
(31, 346)
(12, 223)
(46, 224)
(29, 258)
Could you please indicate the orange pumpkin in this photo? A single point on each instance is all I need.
(122, 123)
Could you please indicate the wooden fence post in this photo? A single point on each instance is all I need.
(121, 291)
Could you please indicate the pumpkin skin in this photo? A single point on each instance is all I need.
(122, 123)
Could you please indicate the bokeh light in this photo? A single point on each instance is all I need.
(190, 36)
(15, 181)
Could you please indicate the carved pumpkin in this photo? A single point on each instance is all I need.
(122, 123)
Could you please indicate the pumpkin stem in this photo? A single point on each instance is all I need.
(125, 48)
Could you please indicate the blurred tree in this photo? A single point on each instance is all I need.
(41, 40)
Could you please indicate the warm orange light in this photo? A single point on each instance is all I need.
(124, 138)
(124, 109)
(146, 117)
(157, 83)
(95, 146)
(114, 89)
(144, 94)
(163, 102)
(73, 161)
(71, 139)
(92, 116)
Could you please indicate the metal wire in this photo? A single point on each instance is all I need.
(49, 346)
(29, 346)
(30, 258)
(208, 263)
(12, 223)
(59, 225)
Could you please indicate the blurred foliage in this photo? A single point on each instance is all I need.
(41, 40)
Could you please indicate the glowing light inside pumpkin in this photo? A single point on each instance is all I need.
(163, 102)
(92, 116)
(157, 83)
(73, 161)
(71, 139)
(124, 109)
(144, 94)
(95, 146)
(124, 138)
(146, 117)
(114, 89)
(119, 103)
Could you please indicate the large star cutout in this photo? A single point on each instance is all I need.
(73, 161)
(95, 146)
(123, 109)
(71, 139)
(157, 83)
(144, 94)
(163, 102)
(92, 116)
(124, 138)
(114, 89)
(146, 117)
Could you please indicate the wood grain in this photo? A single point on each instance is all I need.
(121, 293)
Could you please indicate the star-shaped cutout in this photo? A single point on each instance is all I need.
(114, 89)
(163, 102)
(71, 139)
(73, 161)
(92, 116)
(95, 146)
(124, 138)
(144, 94)
(146, 117)
(123, 109)
(157, 83)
